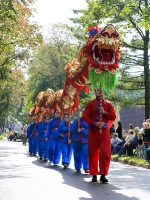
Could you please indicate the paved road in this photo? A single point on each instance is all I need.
(27, 178)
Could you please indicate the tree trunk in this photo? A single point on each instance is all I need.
(146, 76)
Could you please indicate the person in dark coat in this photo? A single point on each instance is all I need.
(119, 130)
(112, 130)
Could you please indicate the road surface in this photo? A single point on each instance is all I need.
(23, 177)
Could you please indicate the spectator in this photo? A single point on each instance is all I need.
(148, 120)
(18, 127)
(119, 129)
(131, 127)
(119, 145)
(142, 129)
(25, 130)
(133, 143)
(146, 134)
(128, 139)
(112, 130)
(114, 140)
(139, 149)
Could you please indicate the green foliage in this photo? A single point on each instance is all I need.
(2, 136)
(18, 36)
(46, 70)
(86, 97)
(132, 20)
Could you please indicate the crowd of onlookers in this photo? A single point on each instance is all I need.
(135, 141)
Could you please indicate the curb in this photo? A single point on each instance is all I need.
(147, 166)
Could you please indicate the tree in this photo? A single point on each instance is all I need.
(132, 19)
(46, 69)
(17, 40)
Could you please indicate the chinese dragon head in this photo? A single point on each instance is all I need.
(97, 63)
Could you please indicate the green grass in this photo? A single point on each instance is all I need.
(131, 160)
(2, 136)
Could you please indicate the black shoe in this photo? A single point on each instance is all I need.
(103, 179)
(79, 171)
(40, 158)
(65, 166)
(34, 154)
(45, 160)
(94, 179)
(86, 171)
(30, 153)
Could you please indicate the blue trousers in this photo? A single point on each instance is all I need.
(130, 148)
(116, 148)
(80, 152)
(66, 150)
(122, 150)
(30, 145)
(42, 148)
(146, 145)
(54, 152)
(34, 145)
(46, 148)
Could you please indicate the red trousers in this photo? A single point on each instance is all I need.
(99, 150)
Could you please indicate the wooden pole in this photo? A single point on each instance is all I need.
(69, 141)
(101, 97)
(78, 112)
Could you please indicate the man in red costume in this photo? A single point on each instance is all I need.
(99, 144)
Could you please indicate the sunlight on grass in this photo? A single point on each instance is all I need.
(133, 160)
(2, 136)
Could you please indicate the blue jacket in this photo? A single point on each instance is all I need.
(83, 135)
(63, 132)
(52, 132)
(134, 141)
(32, 130)
(42, 127)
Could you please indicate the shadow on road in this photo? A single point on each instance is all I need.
(83, 182)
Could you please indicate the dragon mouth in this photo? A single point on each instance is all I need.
(102, 56)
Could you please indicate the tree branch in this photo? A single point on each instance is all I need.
(137, 28)
(130, 46)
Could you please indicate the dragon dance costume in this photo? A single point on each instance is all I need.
(96, 65)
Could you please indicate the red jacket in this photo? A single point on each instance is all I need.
(91, 112)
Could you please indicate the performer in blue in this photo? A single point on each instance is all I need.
(80, 146)
(32, 135)
(51, 136)
(42, 144)
(66, 144)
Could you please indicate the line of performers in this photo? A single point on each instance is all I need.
(90, 147)
(51, 140)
